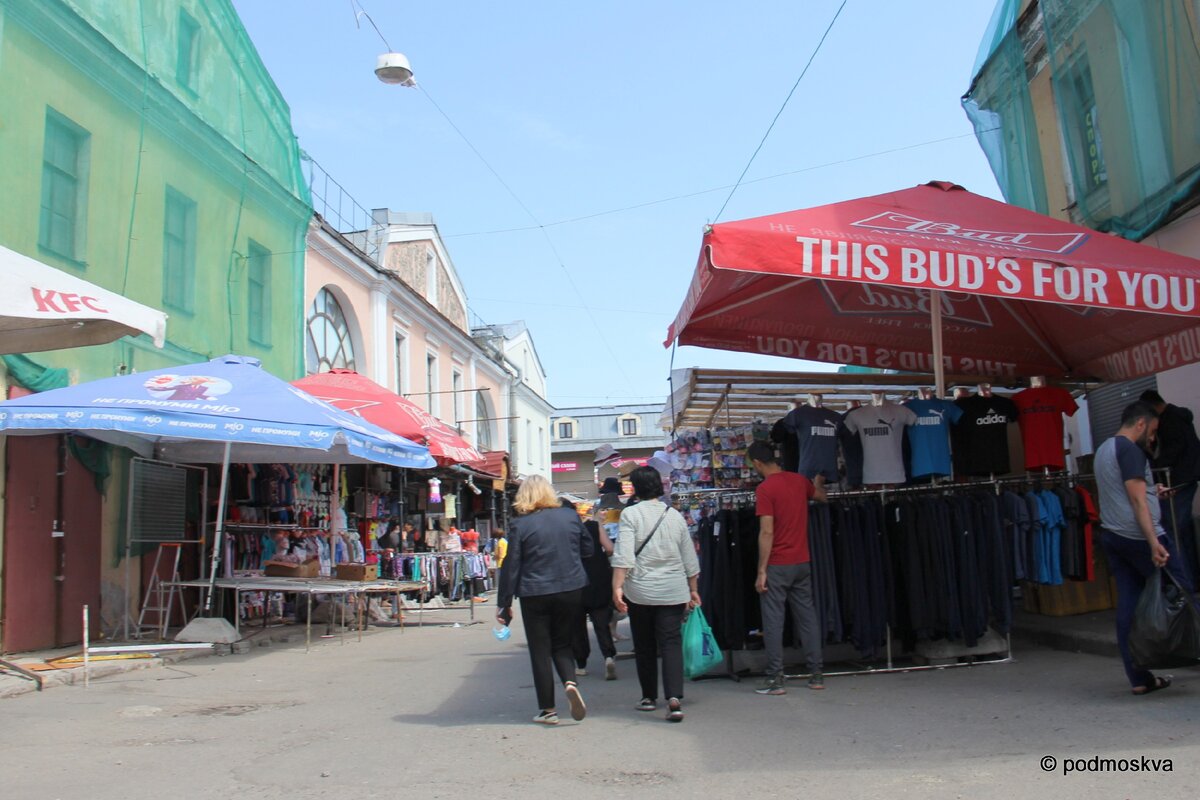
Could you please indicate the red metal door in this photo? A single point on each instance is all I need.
(30, 553)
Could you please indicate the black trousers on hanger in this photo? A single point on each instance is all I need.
(549, 621)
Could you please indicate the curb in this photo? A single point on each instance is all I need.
(102, 669)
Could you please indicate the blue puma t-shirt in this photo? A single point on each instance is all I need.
(929, 436)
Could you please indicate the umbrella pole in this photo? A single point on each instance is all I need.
(219, 535)
(935, 325)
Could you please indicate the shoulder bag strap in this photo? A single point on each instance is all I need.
(653, 530)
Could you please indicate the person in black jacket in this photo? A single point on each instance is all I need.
(597, 603)
(1179, 449)
(544, 567)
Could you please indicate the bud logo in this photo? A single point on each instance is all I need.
(1039, 242)
(878, 300)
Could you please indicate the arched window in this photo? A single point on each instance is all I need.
(328, 343)
(483, 425)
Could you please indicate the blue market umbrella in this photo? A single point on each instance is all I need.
(227, 409)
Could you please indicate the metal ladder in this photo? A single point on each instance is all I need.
(155, 591)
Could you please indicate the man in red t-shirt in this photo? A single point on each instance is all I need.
(784, 569)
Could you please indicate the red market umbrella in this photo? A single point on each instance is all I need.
(360, 395)
(1018, 293)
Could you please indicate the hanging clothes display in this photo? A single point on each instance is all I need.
(981, 435)
(1041, 418)
(929, 436)
(815, 430)
(881, 429)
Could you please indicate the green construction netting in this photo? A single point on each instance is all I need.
(1122, 83)
(34, 376)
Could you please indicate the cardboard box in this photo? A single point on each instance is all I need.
(309, 569)
(357, 572)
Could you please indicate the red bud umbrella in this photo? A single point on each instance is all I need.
(360, 395)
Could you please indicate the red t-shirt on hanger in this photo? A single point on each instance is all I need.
(1041, 421)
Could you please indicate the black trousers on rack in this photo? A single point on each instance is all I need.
(549, 621)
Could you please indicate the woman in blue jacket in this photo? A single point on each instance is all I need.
(543, 567)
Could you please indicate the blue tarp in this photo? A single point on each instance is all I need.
(188, 413)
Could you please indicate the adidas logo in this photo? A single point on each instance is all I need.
(992, 418)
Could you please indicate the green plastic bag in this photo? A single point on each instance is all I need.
(700, 650)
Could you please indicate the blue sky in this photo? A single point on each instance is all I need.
(589, 108)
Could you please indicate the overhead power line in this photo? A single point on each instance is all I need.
(779, 113)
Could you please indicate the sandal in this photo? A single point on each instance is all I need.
(1160, 682)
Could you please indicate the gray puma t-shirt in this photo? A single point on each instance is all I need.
(881, 429)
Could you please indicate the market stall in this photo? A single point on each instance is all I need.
(931, 280)
(227, 411)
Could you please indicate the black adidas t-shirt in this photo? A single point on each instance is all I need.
(981, 441)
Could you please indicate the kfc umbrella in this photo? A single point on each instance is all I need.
(42, 308)
(361, 396)
(872, 281)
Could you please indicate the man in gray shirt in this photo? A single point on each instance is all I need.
(1131, 531)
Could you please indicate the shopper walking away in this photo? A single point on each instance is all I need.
(1179, 449)
(597, 605)
(1131, 531)
(654, 578)
(784, 568)
(543, 567)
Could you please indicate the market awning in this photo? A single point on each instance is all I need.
(494, 464)
(359, 395)
(1019, 293)
(726, 398)
(42, 308)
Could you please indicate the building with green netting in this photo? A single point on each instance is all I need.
(145, 148)
(1088, 111)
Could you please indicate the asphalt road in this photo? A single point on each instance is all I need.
(444, 713)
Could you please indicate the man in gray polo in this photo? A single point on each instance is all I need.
(1131, 531)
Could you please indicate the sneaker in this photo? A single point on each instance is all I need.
(547, 718)
(581, 671)
(578, 709)
(646, 704)
(674, 710)
(772, 685)
(816, 681)
(610, 669)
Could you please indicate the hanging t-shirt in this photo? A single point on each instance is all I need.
(851, 452)
(929, 437)
(816, 431)
(1041, 421)
(982, 434)
(881, 429)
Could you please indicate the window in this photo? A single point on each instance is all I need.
(258, 281)
(329, 344)
(456, 385)
(431, 383)
(566, 430)
(179, 251)
(399, 363)
(1091, 173)
(541, 441)
(528, 442)
(483, 425)
(629, 426)
(187, 61)
(431, 276)
(64, 187)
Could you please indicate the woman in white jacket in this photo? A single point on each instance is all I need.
(654, 578)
